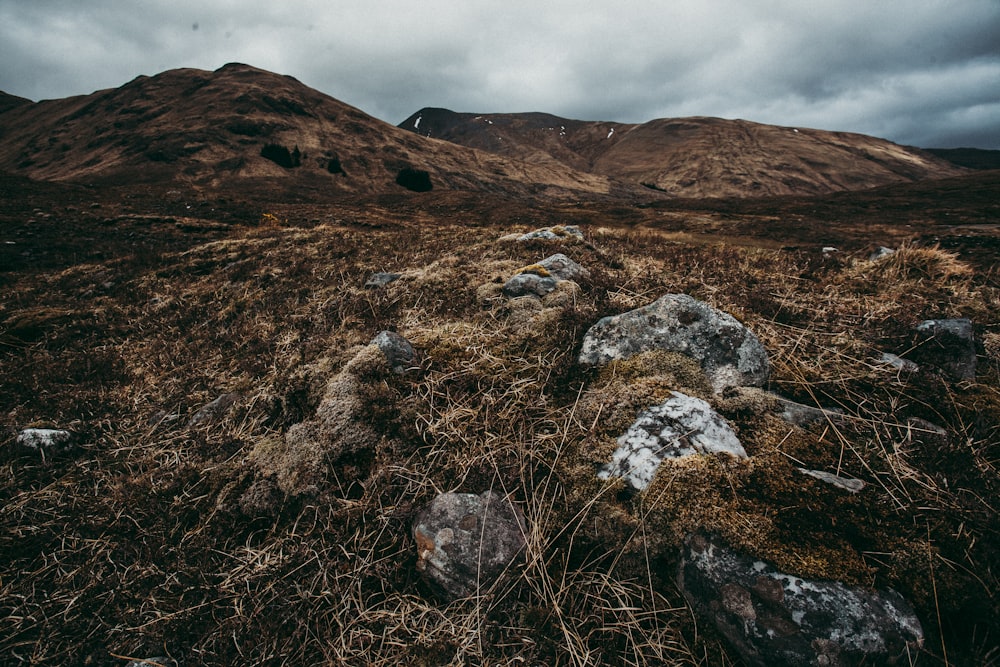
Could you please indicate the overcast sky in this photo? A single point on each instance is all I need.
(918, 72)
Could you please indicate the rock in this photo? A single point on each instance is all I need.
(542, 278)
(528, 284)
(899, 363)
(922, 432)
(681, 426)
(397, 350)
(559, 232)
(465, 542)
(46, 441)
(846, 483)
(728, 352)
(376, 280)
(880, 253)
(213, 412)
(948, 345)
(802, 416)
(158, 661)
(772, 618)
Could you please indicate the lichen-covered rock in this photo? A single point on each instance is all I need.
(681, 426)
(465, 542)
(729, 353)
(541, 278)
(45, 441)
(397, 350)
(558, 233)
(948, 345)
(773, 619)
(528, 284)
(214, 411)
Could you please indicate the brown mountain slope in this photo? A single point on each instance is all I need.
(693, 157)
(208, 129)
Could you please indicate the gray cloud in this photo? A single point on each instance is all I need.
(921, 72)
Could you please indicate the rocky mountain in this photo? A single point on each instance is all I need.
(244, 128)
(692, 157)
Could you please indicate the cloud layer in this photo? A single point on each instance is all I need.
(920, 72)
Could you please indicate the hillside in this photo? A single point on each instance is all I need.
(209, 129)
(692, 157)
(245, 470)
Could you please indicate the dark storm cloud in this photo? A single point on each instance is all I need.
(922, 72)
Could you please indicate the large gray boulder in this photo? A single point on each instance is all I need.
(729, 353)
(774, 619)
(681, 426)
(465, 542)
(948, 345)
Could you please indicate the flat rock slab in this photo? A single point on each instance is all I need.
(776, 619)
(465, 541)
(729, 353)
(681, 426)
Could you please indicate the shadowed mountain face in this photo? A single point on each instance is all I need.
(692, 157)
(244, 128)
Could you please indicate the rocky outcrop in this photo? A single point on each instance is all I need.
(729, 353)
(465, 542)
(772, 618)
(948, 345)
(681, 426)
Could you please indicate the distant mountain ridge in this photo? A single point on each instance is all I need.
(692, 157)
(247, 130)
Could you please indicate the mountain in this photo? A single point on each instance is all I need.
(250, 130)
(692, 157)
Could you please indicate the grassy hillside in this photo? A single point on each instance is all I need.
(221, 543)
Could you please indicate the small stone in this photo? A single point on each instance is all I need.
(802, 416)
(397, 350)
(681, 426)
(948, 345)
(214, 411)
(729, 353)
(46, 441)
(880, 253)
(381, 279)
(846, 483)
(465, 542)
(776, 619)
(560, 232)
(528, 284)
(899, 363)
(159, 661)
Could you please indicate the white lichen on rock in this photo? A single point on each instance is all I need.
(681, 426)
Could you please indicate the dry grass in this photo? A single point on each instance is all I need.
(157, 539)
